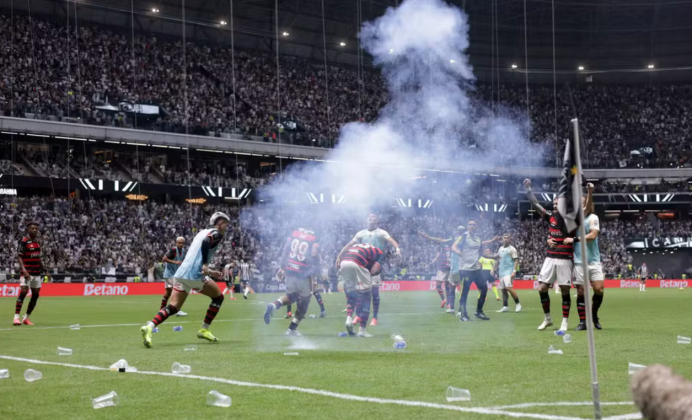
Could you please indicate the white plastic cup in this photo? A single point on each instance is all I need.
(553, 350)
(396, 337)
(190, 348)
(109, 400)
(684, 340)
(4, 373)
(64, 351)
(75, 327)
(458, 394)
(32, 375)
(567, 339)
(178, 368)
(120, 364)
(218, 399)
(634, 368)
(292, 354)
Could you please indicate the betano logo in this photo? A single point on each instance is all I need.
(93, 290)
(9, 290)
(673, 283)
(627, 284)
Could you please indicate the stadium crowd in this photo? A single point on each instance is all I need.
(87, 236)
(48, 72)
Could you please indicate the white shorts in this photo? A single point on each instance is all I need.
(442, 275)
(34, 282)
(595, 273)
(185, 285)
(506, 282)
(556, 270)
(169, 283)
(375, 280)
(454, 278)
(355, 277)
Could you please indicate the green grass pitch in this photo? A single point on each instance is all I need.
(502, 362)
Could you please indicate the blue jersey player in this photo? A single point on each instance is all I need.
(171, 261)
(194, 274)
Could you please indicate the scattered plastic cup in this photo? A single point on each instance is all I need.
(343, 334)
(64, 351)
(178, 368)
(684, 340)
(292, 354)
(634, 368)
(155, 329)
(397, 337)
(553, 350)
(4, 373)
(567, 339)
(559, 332)
(313, 316)
(32, 375)
(75, 327)
(458, 394)
(122, 366)
(178, 328)
(399, 344)
(190, 348)
(109, 400)
(218, 399)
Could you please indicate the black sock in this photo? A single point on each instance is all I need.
(505, 297)
(288, 308)
(516, 299)
(32, 302)
(566, 304)
(293, 326)
(318, 296)
(581, 308)
(597, 300)
(545, 301)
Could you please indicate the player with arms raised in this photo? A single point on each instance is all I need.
(452, 280)
(300, 260)
(378, 238)
(194, 274)
(171, 261)
(31, 268)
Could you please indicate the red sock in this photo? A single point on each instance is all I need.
(581, 308)
(164, 314)
(164, 302)
(566, 305)
(18, 305)
(213, 309)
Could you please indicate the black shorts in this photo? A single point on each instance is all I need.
(245, 282)
(644, 278)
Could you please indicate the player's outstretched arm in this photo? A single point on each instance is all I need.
(456, 245)
(395, 244)
(589, 207)
(440, 240)
(532, 198)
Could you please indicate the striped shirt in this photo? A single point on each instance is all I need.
(30, 253)
(363, 254)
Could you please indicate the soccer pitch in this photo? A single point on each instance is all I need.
(503, 362)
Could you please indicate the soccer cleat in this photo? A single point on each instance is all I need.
(444, 302)
(373, 323)
(288, 315)
(345, 310)
(481, 315)
(268, 313)
(597, 324)
(16, 322)
(364, 334)
(323, 314)
(564, 326)
(356, 320)
(232, 298)
(146, 335)
(205, 334)
(349, 326)
(464, 318)
(181, 313)
(581, 326)
(504, 309)
(26, 321)
(518, 308)
(545, 324)
(450, 311)
(293, 333)
(245, 297)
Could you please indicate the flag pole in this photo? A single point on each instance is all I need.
(595, 388)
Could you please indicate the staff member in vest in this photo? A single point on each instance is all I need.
(487, 264)
(468, 248)
(171, 261)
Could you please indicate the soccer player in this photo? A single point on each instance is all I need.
(171, 261)
(358, 267)
(299, 261)
(487, 264)
(443, 268)
(468, 248)
(245, 278)
(506, 268)
(194, 274)
(593, 264)
(643, 274)
(229, 280)
(378, 238)
(31, 268)
(453, 279)
(557, 266)
(316, 293)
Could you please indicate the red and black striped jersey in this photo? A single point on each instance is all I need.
(443, 262)
(30, 252)
(557, 227)
(364, 255)
(300, 259)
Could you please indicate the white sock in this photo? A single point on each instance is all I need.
(548, 318)
(16, 316)
(295, 320)
(25, 317)
(151, 324)
(224, 291)
(205, 326)
(246, 291)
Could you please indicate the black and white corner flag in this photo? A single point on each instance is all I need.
(568, 195)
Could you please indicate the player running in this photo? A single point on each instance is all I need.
(194, 274)
(468, 247)
(299, 260)
(378, 238)
(453, 279)
(31, 267)
(643, 274)
(506, 268)
(443, 267)
(557, 266)
(171, 261)
(229, 280)
(593, 261)
(358, 267)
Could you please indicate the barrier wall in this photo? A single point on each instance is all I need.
(133, 289)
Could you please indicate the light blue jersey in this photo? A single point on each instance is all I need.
(377, 238)
(454, 259)
(508, 254)
(176, 255)
(191, 268)
(593, 253)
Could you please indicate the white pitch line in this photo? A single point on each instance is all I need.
(174, 321)
(558, 404)
(349, 397)
(632, 416)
